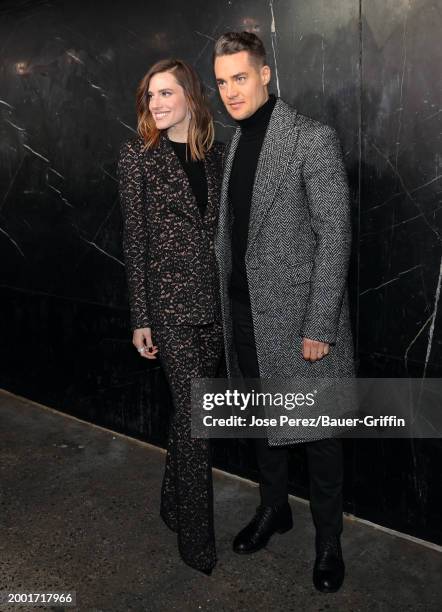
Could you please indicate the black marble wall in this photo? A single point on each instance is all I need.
(68, 75)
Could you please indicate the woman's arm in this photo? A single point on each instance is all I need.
(135, 245)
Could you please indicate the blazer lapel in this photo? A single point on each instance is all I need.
(210, 215)
(276, 153)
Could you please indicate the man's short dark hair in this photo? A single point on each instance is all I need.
(234, 42)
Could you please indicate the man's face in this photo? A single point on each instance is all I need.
(242, 84)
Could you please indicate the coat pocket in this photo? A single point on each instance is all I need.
(301, 273)
(280, 288)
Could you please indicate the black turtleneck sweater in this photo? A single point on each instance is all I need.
(195, 173)
(241, 182)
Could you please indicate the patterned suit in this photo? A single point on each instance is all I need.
(173, 288)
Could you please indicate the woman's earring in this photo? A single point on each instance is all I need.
(189, 114)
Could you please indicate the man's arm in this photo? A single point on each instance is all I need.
(329, 203)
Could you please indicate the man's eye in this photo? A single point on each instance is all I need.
(241, 78)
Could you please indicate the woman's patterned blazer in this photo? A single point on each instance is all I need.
(167, 244)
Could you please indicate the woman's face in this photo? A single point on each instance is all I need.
(167, 102)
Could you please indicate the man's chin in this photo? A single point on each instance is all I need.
(239, 114)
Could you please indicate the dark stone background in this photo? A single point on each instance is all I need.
(68, 75)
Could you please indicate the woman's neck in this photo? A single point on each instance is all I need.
(179, 132)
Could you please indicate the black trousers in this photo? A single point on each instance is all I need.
(188, 352)
(324, 456)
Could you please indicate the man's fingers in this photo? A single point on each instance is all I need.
(309, 350)
(313, 350)
(306, 349)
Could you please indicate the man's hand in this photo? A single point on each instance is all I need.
(142, 341)
(313, 350)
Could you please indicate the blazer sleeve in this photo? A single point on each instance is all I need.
(329, 204)
(132, 201)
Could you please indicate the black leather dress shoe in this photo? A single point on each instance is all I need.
(329, 569)
(267, 521)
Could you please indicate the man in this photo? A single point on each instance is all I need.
(283, 246)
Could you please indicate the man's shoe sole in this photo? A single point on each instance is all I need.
(328, 590)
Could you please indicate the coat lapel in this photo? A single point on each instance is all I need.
(276, 153)
(224, 215)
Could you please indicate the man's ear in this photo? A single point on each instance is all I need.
(266, 74)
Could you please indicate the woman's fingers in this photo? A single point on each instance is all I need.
(150, 353)
(152, 350)
(142, 340)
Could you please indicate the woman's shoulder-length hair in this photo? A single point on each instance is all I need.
(201, 127)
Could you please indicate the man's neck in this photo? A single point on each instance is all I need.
(260, 118)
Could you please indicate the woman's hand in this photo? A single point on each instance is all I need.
(142, 341)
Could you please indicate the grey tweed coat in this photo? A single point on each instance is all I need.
(297, 251)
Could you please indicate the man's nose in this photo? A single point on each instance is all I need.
(231, 90)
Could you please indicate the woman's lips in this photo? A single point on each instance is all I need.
(161, 115)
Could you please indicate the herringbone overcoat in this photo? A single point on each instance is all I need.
(297, 251)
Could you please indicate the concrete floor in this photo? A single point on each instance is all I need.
(79, 511)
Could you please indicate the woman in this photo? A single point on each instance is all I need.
(169, 181)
